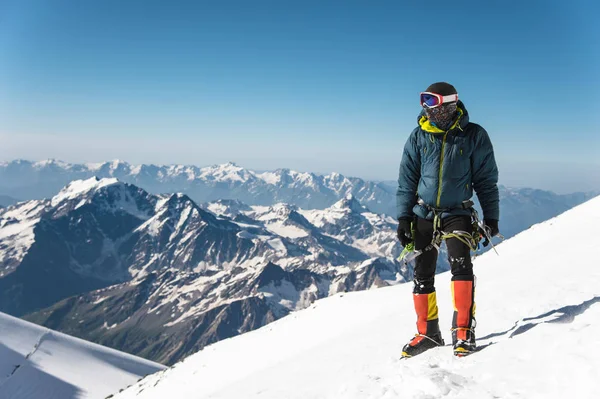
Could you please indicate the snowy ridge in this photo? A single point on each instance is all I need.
(109, 193)
(24, 179)
(37, 363)
(228, 172)
(73, 237)
(80, 187)
(520, 208)
(537, 330)
(352, 223)
(16, 233)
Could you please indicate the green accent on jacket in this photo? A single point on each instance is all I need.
(444, 167)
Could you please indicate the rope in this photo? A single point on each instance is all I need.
(429, 338)
(471, 240)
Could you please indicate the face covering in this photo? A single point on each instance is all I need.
(442, 116)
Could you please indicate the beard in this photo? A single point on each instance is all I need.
(442, 116)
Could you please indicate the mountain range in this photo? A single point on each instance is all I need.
(163, 275)
(160, 276)
(519, 207)
(36, 180)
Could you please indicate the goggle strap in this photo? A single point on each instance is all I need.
(450, 98)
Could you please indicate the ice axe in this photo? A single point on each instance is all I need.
(486, 233)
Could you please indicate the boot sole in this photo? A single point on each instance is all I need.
(462, 352)
(405, 355)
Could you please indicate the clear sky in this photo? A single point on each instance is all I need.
(312, 85)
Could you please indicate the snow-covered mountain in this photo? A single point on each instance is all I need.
(99, 232)
(519, 208)
(352, 223)
(52, 249)
(536, 326)
(160, 276)
(38, 363)
(36, 180)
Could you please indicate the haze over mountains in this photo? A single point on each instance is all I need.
(520, 208)
(29, 180)
(5, 200)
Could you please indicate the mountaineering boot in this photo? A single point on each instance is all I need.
(463, 347)
(420, 343)
(463, 321)
(428, 331)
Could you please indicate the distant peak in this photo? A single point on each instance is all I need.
(335, 176)
(21, 161)
(225, 166)
(227, 172)
(283, 207)
(48, 161)
(115, 163)
(350, 202)
(52, 162)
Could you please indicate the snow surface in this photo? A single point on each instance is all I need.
(17, 225)
(538, 310)
(79, 187)
(285, 230)
(38, 363)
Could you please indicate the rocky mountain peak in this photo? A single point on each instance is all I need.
(228, 172)
(109, 194)
(349, 202)
(227, 207)
(283, 210)
(80, 188)
(271, 273)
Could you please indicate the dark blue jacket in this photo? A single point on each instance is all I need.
(444, 167)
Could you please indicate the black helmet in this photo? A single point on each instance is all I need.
(442, 88)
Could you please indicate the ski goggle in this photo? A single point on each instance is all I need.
(432, 100)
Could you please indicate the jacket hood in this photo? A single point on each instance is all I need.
(462, 122)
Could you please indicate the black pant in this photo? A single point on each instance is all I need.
(459, 254)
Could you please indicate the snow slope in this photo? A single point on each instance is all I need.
(538, 311)
(37, 363)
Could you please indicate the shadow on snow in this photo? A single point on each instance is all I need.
(23, 379)
(566, 314)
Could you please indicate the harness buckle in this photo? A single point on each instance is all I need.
(467, 204)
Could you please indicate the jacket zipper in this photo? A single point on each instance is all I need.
(439, 196)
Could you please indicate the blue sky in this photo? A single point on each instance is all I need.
(313, 85)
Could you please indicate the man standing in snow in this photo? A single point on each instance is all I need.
(445, 158)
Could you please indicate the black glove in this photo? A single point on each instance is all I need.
(491, 227)
(404, 231)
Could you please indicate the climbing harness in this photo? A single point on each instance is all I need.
(470, 239)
